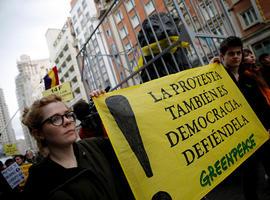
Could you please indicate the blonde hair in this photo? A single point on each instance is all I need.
(32, 118)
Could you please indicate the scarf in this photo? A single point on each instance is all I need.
(262, 84)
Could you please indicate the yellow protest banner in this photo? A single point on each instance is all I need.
(10, 149)
(63, 90)
(25, 170)
(179, 136)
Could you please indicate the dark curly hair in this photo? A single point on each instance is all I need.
(32, 117)
(231, 41)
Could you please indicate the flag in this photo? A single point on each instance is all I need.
(51, 79)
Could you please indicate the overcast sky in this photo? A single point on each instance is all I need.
(23, 24)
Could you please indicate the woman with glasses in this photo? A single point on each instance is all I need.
(87, 169)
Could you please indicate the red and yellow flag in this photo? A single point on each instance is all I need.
(51, 79)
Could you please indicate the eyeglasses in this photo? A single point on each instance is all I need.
(58, 120)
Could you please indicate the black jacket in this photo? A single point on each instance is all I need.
(98, 176)
(254, 97)
(251, 90)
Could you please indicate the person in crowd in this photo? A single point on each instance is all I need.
(91, 125)
(231, 55)
(3, 183)
(19, 159)
(6, 192)
(264, 60)
(30, 156)
(235, 59)
(1, 166)
(86, 169)
(9, 162)
(29, 159)
(254, 87)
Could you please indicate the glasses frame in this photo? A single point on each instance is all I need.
(66, 115)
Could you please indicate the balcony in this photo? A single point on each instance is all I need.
(102, 7)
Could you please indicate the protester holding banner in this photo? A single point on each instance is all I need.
(231, 55)
(10, 178)
(4, 187)
(254, 87)
(257, 92)
(236, 61)
(87, 169)
(3, 183)
(19, 159)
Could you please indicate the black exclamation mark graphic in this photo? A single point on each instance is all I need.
(126, 121)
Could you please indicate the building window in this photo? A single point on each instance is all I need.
(79, 12)
(77, 91)
(84, 4)
(135, 21)
(118, 16)
(95, 43)
(83, 23)
(208, 10)
(128, 47)
(123, 32)
(249, 17)
(81, 42)
(71, 68)
(77, 30)
(86, 35)
(87, 16)
(66, 47)
(74, 80)
(91, 28)
(149, 7)
(122, 77)
(68, 58)
(108, 33)
(261, 47)
(114, 49)
(129, 5)
(74, 19)
(61, 54)
(103, 70)
(66, 75)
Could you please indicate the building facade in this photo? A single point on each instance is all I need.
(125, 24)
(251, 18)
(120, 28)
(97, 72)
(202, 23)
(29, 87)
(63, 51)
(7, 135)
